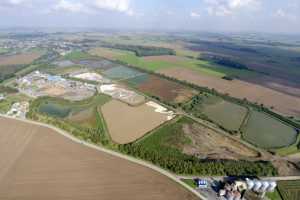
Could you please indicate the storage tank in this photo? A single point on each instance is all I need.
(250, 184)
(257, 185)
(272, 186)
(265, 185)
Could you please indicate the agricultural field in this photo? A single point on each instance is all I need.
(97, 64)
(121, 73)
(127, 124)
(77, 55)
(224, 113)
(64, 169)
(9, 65)
(19, 59)
(166, 90)
(281, 102)
(108, 53)
(157, 63)
(267, 132)
(289, 190)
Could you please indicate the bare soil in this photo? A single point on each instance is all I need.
(20, 59)
(127, 123)
(38, 163)
(166, 90)
(282, 103)
(208, 144)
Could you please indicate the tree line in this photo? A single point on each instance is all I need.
(180, 163)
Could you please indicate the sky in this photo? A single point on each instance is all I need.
(275, 16)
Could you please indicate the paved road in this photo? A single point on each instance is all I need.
(113, 153)
(275, 178)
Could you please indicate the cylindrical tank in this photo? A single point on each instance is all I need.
(265, 185)
(250, 184)
(257, 185)
(272, 186)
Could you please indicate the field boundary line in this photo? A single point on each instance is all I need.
(110, 152)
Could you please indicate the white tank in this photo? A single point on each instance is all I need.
(257, 185)
(272, 186)
(265, 185)
(250, 184)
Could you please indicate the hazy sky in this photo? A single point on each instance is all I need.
(207, 15)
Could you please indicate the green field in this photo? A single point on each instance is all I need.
(182, 61)
(78, 55)
(289, 190)
(121, 72)
(226, 114)
(267, 132)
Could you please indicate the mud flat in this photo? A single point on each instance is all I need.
(38, 163)
(127, 124)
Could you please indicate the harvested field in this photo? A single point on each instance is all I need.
(38, 163)
(127, 124)
(162, 88)
(266, 132)
(282, 103)
(19, 59)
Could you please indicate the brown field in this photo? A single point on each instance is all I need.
(127, 124)
(209, 144)
(282, 103)
(20, 59)
(166, 90)
(37, 163)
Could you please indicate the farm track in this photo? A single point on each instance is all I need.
(112, 153)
